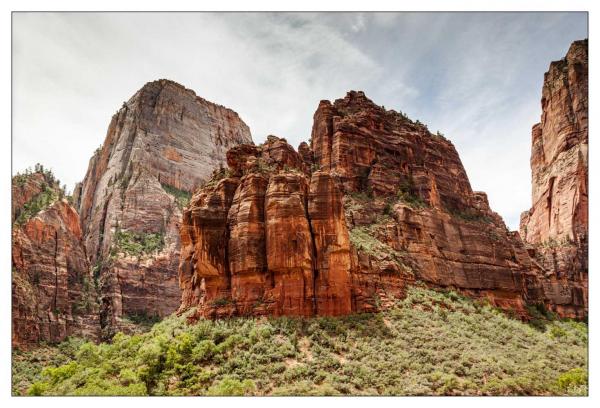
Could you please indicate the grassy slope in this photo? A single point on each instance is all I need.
(429, 343)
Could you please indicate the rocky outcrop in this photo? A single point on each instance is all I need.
(27, 186)
(375, 203)
(411, 212)
(53, 291)
(266, 238)
(556, 226)
(161, 145)
(269, 237)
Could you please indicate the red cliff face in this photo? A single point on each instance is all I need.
(376, 202)
(266, 237)
(53, 292)
(556, 226)
(161, 145)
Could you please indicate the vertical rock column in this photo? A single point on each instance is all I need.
(332, 246)
(204, 275)
(289, 245)
(247, 254)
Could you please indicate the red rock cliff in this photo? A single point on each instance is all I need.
(266, 237)
(376, 202)
(556, 226)
(162, 144)
(53, 292)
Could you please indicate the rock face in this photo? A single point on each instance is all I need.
(375, 203)
(161, 145)
(53, 293)
(556, 226)
(270, 237)
(266, 237)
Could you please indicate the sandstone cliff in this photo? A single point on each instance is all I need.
(266, 237)
(410, 208)
(376, 202)
(556, 226)
(161, 145)
(53, 293)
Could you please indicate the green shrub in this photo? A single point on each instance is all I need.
(429, 343)
(411, 200)
(142, 318)
(61, 373)
(557, 332)
(204, 350)
(137, 243)
(470, 214)
(408, 195)
(38, 203)
(231, 386)
(572, 380)
(37, 389)
(182, 197)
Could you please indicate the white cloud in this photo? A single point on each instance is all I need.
(476, 77)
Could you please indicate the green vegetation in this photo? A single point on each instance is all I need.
(573, 382)
(470, 214)
(218, 175)
(263, 167)
(38, 203)
(362, 238)
(557, 243)
(411, 200)
(406, 194)
(182, 197)
(142, 319)
(360, 197)
(87, 299)
(21, 178)
(27, 366)
(429, 343)
(51, 191)
(137, 243)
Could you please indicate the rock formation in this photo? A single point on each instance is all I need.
(376, 202)
(556, 226)
(53, 293)
(266, 237)
(281, 234)
(161, 145)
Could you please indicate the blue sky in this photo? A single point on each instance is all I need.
(476, 77)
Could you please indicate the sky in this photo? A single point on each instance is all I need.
(475, 77)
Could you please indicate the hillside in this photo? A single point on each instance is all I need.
(438, 343)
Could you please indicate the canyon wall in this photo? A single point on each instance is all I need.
(111, 262)
(266, 237)
(376, 202)
(53, 293)
(556, 226)
(161, 145)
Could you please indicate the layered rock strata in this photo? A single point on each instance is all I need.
(266, 237)
(556, 226)
(375, 203)
(53, 292)
(161, 145)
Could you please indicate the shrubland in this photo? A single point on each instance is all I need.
(430, 343)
